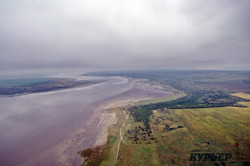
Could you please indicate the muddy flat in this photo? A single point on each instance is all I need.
(50, 128)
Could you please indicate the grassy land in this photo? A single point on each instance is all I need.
(242, 95)
(202, 119)
(179, 131)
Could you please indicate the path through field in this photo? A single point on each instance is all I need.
(121, 138)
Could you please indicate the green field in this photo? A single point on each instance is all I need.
(200, 125)
(180, 131)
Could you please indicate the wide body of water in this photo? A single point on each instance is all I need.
(33, 125)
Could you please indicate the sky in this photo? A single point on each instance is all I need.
(95, 35)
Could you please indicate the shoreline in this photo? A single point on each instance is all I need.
(117, 108)
(107, 118)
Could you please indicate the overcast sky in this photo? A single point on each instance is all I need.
(124, 34)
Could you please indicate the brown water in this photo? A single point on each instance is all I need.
(50, 128)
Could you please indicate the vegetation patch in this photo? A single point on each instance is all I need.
(93, 156)
(20, 86)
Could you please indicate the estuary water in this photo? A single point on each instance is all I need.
(49, 128)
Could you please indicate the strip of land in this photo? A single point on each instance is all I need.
(24, 86)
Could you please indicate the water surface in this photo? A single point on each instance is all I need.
(33, 126)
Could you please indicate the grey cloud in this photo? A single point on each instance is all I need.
(113, 34)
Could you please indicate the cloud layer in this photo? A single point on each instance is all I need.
(131, 34)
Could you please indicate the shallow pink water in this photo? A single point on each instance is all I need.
(32, 126)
